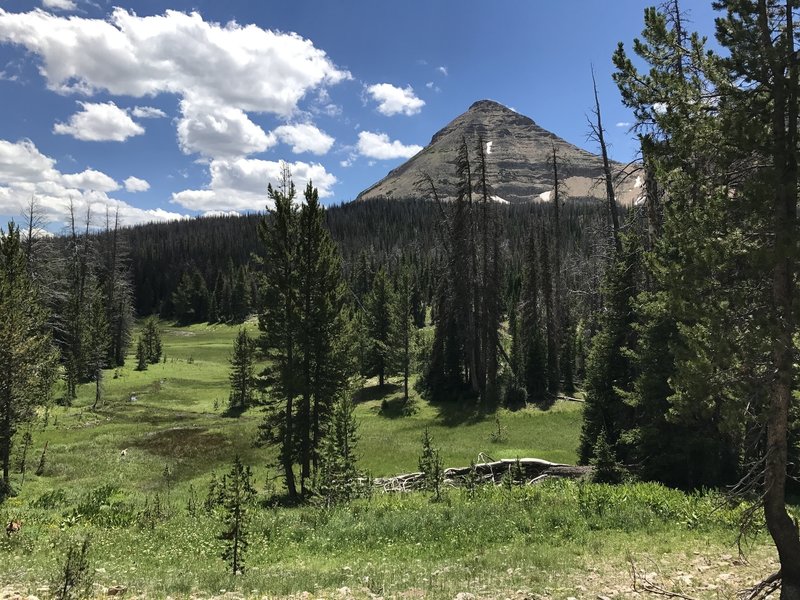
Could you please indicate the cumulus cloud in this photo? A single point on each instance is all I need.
(148, 112)
(25, 172)
(304, 137)
(623, 124)
(218, 132)
(91, 180)
(59, 4)
(134, 184)
(242, 66)
(241, 184)
(393, 100)
(378, 145)
(101, 122)
(442, 70)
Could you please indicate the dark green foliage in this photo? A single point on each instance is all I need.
(75, 577)
(402, 328)
(27, 357)
(190, 300)
(378, 305)
(141, 355)
(306, 335)
(338, 472)
(242, 376)
(534, 352)
(607, 468)
(237, 495)
(431, 466)
(151, 338)
(608, 370)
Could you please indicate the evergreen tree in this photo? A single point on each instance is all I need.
(141, 355)
(338, 472)
(551, 318)
(379, 324)
(534, 373)
(27, 358)
(151, 337)
(242, 375)
(237, 495)
(431, 466)
(306, 334)
(608, 369)
(279, 323)
(402, 328)
(98, 341)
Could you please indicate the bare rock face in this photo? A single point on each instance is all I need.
(518, 159)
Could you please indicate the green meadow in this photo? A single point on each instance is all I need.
(133, 473)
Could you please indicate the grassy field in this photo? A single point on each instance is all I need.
(149, 535)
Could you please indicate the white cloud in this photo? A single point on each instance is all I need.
(378, 145)
(660, 108)
(134, 184)
(220, 132)
(241, 184)
(623, 124)
(99, 123)
(393, 100)
(147, 112)
(304, 137)
(442, 70)
(59, 4)
(245, 67)
(26, 172)
(91, 180)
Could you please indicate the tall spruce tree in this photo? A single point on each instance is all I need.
(379, 326)
(305, 332)
(725, 255)
(242, 375)
(402, 327)
(279, 323)
(534, 353)
(27, 356)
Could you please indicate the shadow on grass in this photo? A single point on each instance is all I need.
(374, 392)
(462, 411)
(234, 412)
(397, 408)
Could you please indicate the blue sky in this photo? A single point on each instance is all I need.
(186, 108)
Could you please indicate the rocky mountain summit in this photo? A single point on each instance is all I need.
(519, 161)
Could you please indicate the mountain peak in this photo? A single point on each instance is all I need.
(517, 154)
(487, 105)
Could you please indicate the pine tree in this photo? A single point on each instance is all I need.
(338, 472)
(279, 323)
(379, 325)
(151, 337)
(237, 495)
(608, 369)
(141, 355)
(306, 332)
(27, 357)
(402, 328)
(242, 375)
(534, 373)
(431, 466)
(98, 341)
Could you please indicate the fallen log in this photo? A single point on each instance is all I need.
(529, 471)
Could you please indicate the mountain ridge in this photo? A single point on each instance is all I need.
(518, 160)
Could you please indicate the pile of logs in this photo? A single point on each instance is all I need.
(528, 471)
